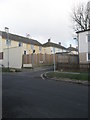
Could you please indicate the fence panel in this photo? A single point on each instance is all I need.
(67, 58)
(73, 67)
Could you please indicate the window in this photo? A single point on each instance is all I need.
(32, 47)
(40, 48)
(88, 56)
(24, 52)
(53, 49)
(20, 44)
(1, 55)
(89, 38)
(8, 42)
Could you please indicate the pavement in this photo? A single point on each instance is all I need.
(26, 95)
(37, 68)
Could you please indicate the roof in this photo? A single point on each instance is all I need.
(50, 44)
(21, 39)
(83, 31)
(72, 49)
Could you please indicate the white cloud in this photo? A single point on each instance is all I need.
(41, 18)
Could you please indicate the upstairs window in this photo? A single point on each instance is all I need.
(89, 38)
(32, 47)
(40, 48)
(8, 42)
(24, 52)
(20, 44)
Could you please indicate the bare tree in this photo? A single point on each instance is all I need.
(81, 17)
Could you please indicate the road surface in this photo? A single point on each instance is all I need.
(27, 95)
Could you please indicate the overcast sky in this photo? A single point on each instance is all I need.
(42, 19)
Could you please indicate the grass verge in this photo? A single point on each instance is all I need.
(75, 76)
(10, 70)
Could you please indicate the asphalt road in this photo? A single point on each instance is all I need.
(27, 95)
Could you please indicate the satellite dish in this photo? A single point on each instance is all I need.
(88, 8)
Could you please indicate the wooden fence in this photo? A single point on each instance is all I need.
(68, 62)
(38, 59)
(73, 67)
(68, 58)
(47, 59)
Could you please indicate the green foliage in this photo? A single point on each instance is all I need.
(10, 70)
(77, 76)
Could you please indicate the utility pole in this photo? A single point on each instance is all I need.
(7, 41)
(40, 48)
(33, 58)
(54, 59)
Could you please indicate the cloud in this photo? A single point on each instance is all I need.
(41, 18)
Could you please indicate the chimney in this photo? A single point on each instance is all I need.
(59, 43)
(70, 45)
(28, 35)
(49, 40)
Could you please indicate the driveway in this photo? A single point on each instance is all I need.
(27, 95)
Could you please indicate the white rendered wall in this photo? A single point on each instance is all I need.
(15, 57)
(57, 50)
(83, 42)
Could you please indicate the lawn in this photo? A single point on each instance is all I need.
(10, 70)
(76, 76)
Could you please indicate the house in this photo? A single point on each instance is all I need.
(18, 41)
(84, 45)
(72, 50)
(12, 50)
(50, 47)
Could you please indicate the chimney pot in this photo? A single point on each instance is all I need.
(27, 35)
(48, 40)
(59, 43)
